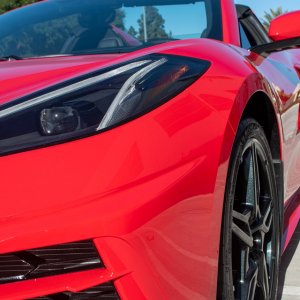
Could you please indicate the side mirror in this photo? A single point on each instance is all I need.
(285, 27)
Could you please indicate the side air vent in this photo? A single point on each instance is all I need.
(101, 292)
(54, 260)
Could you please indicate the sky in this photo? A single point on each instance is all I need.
(260, 6)
(190, 24)
(184, 21)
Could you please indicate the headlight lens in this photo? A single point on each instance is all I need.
(96, 102)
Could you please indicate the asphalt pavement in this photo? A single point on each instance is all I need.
(289, 278)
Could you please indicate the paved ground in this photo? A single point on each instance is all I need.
(289, 280)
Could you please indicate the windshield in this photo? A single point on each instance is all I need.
(62, 27)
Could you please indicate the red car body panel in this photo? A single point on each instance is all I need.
(150, 192)
(35, 74)
(231, 34)
(284, 21)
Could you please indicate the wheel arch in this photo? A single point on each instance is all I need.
(253, 101)
(261, 108)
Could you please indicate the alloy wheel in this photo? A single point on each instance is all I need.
(253, 231)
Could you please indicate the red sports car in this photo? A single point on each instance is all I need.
(150, 149)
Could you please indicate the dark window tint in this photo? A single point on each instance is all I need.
(56, 27)
(252, 32)
(245, 41)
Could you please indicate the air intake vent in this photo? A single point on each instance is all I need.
(54, 260)
(101, 292)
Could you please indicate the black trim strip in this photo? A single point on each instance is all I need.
(290, 206)
(105, 291)
(266, 49)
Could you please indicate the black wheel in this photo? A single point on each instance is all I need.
(250, 240)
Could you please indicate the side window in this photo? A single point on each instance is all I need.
(245, 43)
(252, 32)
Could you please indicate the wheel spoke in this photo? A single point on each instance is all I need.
(263, 277)
(242, 235)
(242, 231)
(256, 181)
(265, 221)
(245, 217)
(244, 263)
(253, 181)
(246, 287)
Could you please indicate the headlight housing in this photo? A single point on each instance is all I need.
(95, 102)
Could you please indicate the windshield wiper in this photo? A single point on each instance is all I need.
(153, 42)
(10, 57)
(114, 50)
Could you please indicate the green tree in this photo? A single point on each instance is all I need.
(119, 19)
(6, 5)
(270, 15)
(155, 25)
(132, 31)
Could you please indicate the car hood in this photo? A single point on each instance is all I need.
(22, 77)
(19, 78)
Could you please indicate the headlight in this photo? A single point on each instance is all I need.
(95, 102)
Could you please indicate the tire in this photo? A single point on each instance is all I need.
(250, 235)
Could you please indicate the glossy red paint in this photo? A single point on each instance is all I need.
(135, 186)
(131, 41)
(231, 33)
(72, 282)
(150, 192)
(38, 73)
(299, 121)
(291, 218)
(285, 26)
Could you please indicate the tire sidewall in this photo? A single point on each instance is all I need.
(249, 129)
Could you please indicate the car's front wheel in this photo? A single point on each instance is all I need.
(250, 239)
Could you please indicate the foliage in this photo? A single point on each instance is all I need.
(44, 38)
(51, 36)
(119, 19)
(132, 31)
(155, 25)
(273, 13)
(6, 5)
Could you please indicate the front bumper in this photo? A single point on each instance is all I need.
(146, 193)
